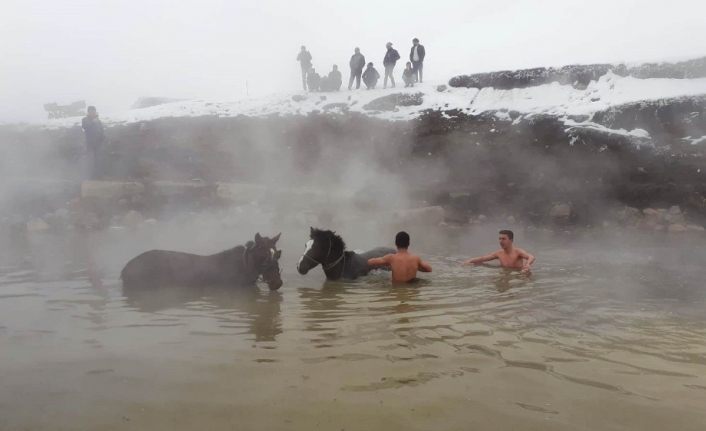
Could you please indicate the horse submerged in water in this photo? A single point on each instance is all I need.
(327, 249)
(241, 265)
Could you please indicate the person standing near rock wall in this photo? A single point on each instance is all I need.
(93, 131)
(357, 64)
(304, 59)
(391, 57)
(416, 56)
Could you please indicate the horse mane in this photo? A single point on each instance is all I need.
(318, 234)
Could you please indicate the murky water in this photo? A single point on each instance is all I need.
(599, 337)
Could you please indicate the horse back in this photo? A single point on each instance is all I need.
(166, 266)
(377, 252)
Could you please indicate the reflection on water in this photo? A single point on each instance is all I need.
(591, 340)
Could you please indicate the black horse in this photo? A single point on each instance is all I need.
(240, 265)
(327, 249)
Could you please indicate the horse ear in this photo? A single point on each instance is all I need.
(311, 230)
(258, 238)
(276, 238)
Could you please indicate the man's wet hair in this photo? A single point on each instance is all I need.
(91, 109)
(415, 40)
(508, 233)
(402, 240)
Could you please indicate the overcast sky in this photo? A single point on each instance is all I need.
(109, 53)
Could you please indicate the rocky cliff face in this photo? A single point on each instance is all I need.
(536, 167)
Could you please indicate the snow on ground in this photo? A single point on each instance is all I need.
(561, 100)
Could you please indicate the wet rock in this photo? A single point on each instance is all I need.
(675, 227)
(88, 220)
(629, 215)
(392, 101)
(441, 88)
(652, 216)
(674, 216)
(37, 225)
(132, 219)
(560, 213)
(299, 98)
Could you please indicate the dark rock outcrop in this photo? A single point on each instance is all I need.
(579, 75)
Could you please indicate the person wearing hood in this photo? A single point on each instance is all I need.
(370, 77)
(391, 57)
(357, 64)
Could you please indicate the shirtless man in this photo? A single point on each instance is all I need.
(403, 263)
(509, 255)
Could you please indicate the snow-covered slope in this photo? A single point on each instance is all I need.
(555, 99)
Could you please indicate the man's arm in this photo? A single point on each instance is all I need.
(423, 266)
(481, 259)
(379, 261)
(529, 260)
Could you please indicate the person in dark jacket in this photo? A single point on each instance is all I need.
(93, 131)
(313, 80)
(408, 75)
(416, 56)
(391, 57)
(334, 80)
(370, 77)
(357, 64)
(304, 59)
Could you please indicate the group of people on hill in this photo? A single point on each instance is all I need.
(413, 72)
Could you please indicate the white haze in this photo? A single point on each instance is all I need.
(109, 53)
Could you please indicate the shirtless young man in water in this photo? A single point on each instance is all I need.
(509, 255)
(403, 263)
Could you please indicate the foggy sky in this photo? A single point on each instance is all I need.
(109, 53)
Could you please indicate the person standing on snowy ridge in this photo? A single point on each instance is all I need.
(391, 57)
(304, 59)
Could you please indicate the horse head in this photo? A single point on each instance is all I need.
(263, 259)
(324, 248)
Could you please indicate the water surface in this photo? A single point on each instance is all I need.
(606, 334)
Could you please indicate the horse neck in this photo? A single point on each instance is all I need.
(338, 252)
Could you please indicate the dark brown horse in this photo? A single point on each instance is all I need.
(241, 265)
(327, 249)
